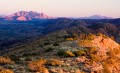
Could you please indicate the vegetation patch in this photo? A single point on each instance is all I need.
(49, 49)
(5, 60)
(37, 66)
(62, 53)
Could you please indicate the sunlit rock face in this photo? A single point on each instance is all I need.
(24, 16)
(107, 54)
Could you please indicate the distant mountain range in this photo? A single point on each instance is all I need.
(96, 17)
(24, 16)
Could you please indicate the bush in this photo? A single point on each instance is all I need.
(54, 62)
(69, 54)
(37, 66)
(49, 49)
(80, 53)
(5, 60)
(56, 44)
(14, 58)
(28, 59)
(61, 53)
(47, 43)
(27, 54)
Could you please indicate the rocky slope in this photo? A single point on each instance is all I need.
(87, 53)
(105, 54)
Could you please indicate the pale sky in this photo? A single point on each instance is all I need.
(63, 8)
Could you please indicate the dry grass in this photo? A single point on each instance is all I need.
(5, 71)
(70, 54)
(69, 39)
(5, 60)
(37, 66)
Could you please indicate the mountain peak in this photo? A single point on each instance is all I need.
(24, 16)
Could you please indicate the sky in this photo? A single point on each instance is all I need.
(63, 8)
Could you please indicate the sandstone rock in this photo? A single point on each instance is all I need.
(60, 70)
(46, 71)
(77, 71)
(72, 71)
(53, 70)
(81, 59)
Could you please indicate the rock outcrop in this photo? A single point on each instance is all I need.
(24, 16)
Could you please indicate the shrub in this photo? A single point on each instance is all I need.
(37, 66)
(69, 54)
(49, 49)
(61, 53)
(5, 60)
(54, 62)
(27, 54)
(28, 59)
(1, 68)
(80, 53)
(15, 58)
(47, 43)
(56, 44)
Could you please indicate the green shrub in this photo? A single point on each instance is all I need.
(56, 44)
(47, 43)
(49, 49)
(27, 54)
(16, 59)
(28, 59)
(62, 53)
(30, 54)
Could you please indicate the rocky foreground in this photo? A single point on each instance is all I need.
(85, 54)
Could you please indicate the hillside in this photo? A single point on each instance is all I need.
(14, 33)
(87, 53)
